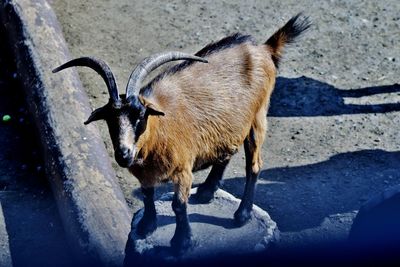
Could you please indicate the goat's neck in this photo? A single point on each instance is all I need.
(147, 140)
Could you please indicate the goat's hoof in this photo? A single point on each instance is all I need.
(204, 194)
(181, 244)
(146, 226)
(242, 217)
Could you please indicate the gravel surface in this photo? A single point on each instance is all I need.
(333, 138)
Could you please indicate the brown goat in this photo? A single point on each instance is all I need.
(193, 116)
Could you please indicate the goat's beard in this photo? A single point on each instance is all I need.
(138, 161)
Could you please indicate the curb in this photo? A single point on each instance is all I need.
(92, 207)
(5, 254)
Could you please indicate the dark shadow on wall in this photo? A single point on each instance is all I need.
(34, 231)
(301, 197)
(305, 96)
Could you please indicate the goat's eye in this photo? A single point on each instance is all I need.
(133, 112)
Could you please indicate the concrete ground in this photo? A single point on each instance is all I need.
(31, 233)
(333, 138)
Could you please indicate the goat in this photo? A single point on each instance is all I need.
(193, 116)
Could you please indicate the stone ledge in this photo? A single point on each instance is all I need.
(5, 254)
(92, 207)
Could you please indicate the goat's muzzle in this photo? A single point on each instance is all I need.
(124, 157)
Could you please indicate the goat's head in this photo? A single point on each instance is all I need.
(126, 115)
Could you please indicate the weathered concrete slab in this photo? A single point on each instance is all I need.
(5, 255)
(213, 229)
(92, 207)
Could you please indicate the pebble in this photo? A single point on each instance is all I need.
(169, 9)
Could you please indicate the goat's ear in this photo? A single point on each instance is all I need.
(152, 108)
(97, 114)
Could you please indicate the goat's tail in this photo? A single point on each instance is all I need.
(286, 35)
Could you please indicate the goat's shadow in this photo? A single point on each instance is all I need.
(301, 197)
(163, 220)
(159, 253)
(227, 223)
(304, 97)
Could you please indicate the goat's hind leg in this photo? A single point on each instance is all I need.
(205, 191)
(252, 148)
(148, 223)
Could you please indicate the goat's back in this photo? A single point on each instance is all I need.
(209, 108)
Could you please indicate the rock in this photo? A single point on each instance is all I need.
(377, 222)
(213, 229)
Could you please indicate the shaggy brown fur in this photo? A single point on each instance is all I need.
(210, 109)
(207, 116)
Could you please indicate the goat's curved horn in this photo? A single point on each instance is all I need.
(151, 63)
(100, 67)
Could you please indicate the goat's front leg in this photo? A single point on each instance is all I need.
(182, 239)
(148, 223)
(206, 190)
